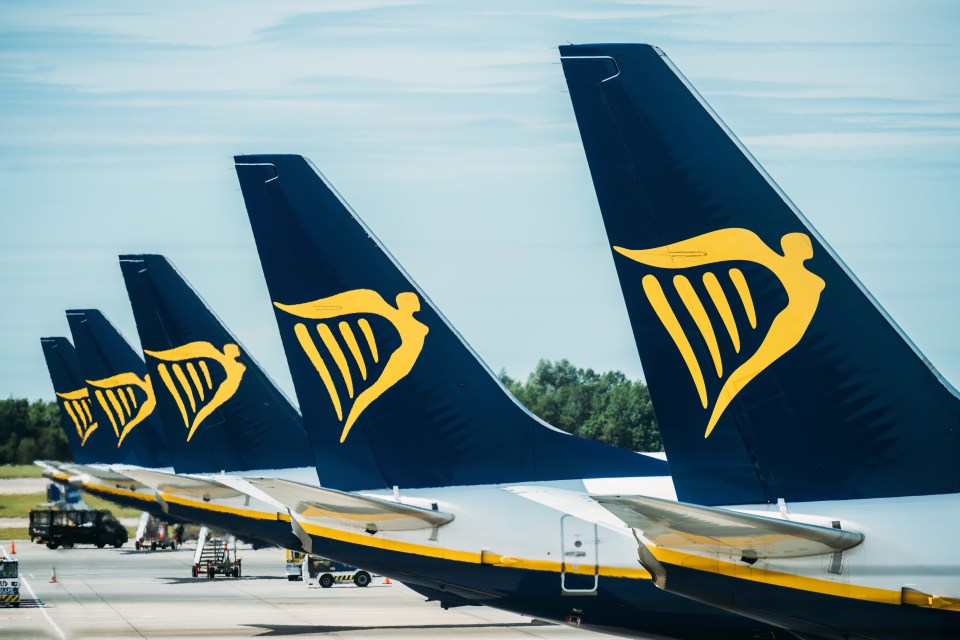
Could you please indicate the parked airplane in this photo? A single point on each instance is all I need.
(195, 386)
(93, 439)
(130, 399)
(417, 442)
(782, 390)
(124, 396)
(223, 413)
(74, 402)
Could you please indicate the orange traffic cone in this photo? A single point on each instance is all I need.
(13, 547)
(53, 574)
(386, 580)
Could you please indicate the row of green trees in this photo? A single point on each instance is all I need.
(31, 431)
(607, 407)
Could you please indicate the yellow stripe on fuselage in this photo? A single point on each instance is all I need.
(89, 486)
(471, 557)
(218, 508)
(780, 579)
(366, 540)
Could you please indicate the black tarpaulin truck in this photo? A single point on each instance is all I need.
(68, 527)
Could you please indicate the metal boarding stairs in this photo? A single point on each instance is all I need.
(214, 551)
(212, 548)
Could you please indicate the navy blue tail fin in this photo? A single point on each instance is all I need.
(120, 391)
(390, 393)
(773, 373)
(89, 442)
(222, 412)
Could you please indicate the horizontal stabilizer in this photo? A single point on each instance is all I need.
(47, 465)
(687, 527)
(104, 474)
(102, 479)
(316, 505)
(189, 487)
(56, 473)
(692, 528)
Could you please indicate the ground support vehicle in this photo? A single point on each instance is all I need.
(294, 566)
(154, 534)
(216, 556)
(9, 582)
(68, 527)
(325, 573)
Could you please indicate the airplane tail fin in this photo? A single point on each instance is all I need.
(390, 393)
(76, 410)
(121, 393)
(222, 411)
(773, 372)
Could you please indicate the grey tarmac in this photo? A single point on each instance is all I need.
(122, 593)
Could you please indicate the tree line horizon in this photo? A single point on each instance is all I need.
(605, 406)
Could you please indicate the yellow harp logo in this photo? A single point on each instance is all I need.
(77, 405)
(126, 399)
(802, 287)
(200, 377)
(360, 302)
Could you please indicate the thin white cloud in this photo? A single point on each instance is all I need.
(850, 140)
(446, 125)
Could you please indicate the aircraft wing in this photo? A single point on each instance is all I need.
(317, 505)
(697, 529)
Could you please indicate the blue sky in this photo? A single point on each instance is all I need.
(446, 125)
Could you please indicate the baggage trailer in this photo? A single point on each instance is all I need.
(68, 527)
(153, 534)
